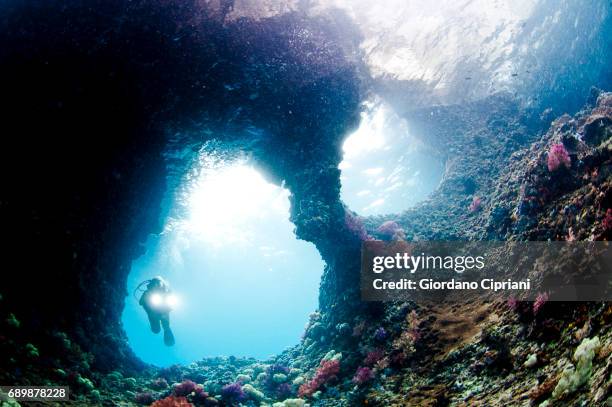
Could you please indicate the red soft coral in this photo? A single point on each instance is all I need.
(172, 401)
(328, 369)
(373, 357)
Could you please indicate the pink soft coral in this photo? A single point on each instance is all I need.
(354, 223)
(373, 357)
(390, 229)
(363, 375)
(607, 221)
(539, 302)
(476, 204)
(172, 401)
(557, 156)
(328, 369)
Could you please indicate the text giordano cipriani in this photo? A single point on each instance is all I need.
(459, 264)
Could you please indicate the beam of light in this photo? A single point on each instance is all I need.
(156, 299)
(370, 136)
(382, 164)
(225, 205)
(172, 300)
(430, 42)
(230, 254)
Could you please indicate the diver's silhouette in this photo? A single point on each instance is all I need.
(155, 302)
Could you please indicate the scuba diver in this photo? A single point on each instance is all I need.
(157, 301)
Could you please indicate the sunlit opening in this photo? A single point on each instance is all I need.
(228, 205)
(242, 284)
(385, 169)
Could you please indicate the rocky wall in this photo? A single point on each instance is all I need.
(93, 96)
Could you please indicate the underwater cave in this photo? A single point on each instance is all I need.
(244, 284)
(247, 151)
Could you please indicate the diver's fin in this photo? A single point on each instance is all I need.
(154, 322)
(168, 337)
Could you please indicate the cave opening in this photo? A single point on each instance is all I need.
(385, 168)
(245, 285)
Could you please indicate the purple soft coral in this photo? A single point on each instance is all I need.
(233, 393)
(277, 368)
(388, 228)
(380, 334)
(284, 391)
(186, 388)
(159, 383)
(269, 382)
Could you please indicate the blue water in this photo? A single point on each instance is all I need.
(385, 169)
(245, 284)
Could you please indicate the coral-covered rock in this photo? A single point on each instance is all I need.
(573, 377)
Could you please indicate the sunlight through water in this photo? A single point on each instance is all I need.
(384, 169)
(245, 285)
